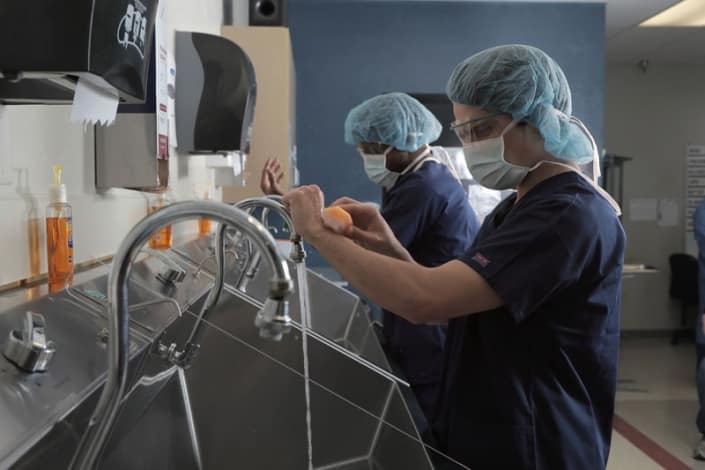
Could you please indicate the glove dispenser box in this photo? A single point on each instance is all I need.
(50, 44)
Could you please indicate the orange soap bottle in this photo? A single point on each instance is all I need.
(162, 240)
(59, 228)
(204, 224)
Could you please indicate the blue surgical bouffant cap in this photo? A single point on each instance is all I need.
(528, 84)
(394, 119)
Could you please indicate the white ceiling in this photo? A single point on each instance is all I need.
(626, 42)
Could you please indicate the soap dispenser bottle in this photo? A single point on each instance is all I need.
(204, 224)
(162, 240)
(59, 228)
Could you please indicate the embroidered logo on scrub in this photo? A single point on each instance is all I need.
(481, 260)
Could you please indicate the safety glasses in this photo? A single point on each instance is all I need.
(476, 129)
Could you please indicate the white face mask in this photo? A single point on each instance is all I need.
(376, 168)
(377, 171)
(487, 165)
(485, 160)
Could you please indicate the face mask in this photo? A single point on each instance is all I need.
(376, 169)
(487, 165)
(486, 162)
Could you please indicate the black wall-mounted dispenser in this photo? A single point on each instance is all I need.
(216, 92)
(49, 44)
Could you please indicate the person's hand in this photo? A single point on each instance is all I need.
(272, 175)
(372, 232)
(305, 204)
(345, 200)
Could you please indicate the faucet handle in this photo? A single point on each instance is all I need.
(172, 275)
(29, 349)
(298, 252)
(172, 272)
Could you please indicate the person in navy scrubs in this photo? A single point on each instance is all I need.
(699, 231)
(532, 307)
(426, 208)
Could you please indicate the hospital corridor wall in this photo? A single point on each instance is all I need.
(347, 51)
(652, 117)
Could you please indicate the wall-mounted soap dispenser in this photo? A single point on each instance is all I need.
(216, 91)
(49, 44)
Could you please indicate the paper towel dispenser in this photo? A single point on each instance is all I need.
(215, 94)
(126, 152)
(49, 44)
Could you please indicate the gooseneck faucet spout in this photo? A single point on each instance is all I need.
(275, 204)
(270, 320)
(273, 316)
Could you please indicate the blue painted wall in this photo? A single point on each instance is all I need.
(346, 51)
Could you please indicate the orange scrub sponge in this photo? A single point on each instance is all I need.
(336, 219)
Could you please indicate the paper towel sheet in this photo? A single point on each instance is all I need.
(92, 104)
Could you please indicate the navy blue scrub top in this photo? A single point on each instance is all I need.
(699, 232)
(429, 213)
(532, 384)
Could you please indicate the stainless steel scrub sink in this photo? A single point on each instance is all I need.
(336, 313)
(241, 401)
(43, 414)
(249, 407)
(56, 402)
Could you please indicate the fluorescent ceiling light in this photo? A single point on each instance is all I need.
(686, 13)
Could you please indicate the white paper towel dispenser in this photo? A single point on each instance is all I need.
(49, 44)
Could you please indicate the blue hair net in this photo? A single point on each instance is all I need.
(528, 84)
(394, 119)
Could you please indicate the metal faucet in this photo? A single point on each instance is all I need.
(29, 348)
(268, 318)
(274, 314)
(252, 263)
(275, 204)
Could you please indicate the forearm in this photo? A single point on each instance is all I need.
(399, 252)
(417, 293)
(414, 292)
(393, 284)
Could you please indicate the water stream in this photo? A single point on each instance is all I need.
(305, 325)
